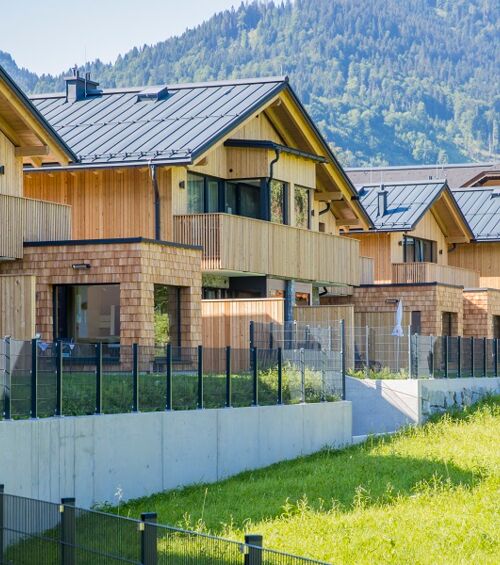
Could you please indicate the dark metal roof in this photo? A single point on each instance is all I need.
(33, 110)
(406, 203)
(123, 127)
(481, 208)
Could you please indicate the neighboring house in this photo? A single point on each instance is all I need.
(25, 137)
(230, 179)
(415, 225)
(457, 176)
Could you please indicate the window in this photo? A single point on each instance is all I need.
(496, 327)
(416, 322)
(416, 250)
(195, 194)
(88, 313)
(302, 207)
(231, 198)
(449, 323)
(249, 199)
(167, 300)
(277, 191)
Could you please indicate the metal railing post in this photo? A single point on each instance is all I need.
(417, 345)
(271, 327)
(409, 352)
(34, 378)
(432, 356)
(149, 547)
(472, 356)
(302, 374)
(367, 351)
(68, 531)
(59, 378)
(252, 334)
(200, 377)
(168, 402)
(98, 378)
(135, 377)
(2, 522)
(459, 355)
(485, 358)
(255, 380)
(254, 555)
(495, 350)
(7, 399)
(446, 345)
(228, 377)
(280, 375)
(342, 356)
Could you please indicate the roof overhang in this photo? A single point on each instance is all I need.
(450, 218)
(35, 141)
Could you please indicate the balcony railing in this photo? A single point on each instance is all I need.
(23, 219)
(243, 245)
(432, 272)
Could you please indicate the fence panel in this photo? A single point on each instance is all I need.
(79, 385)
(214, 377)
(117, 378)
(152, 377)
(20, 378)
(185, 378)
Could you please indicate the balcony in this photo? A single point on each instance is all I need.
(412, 273)
(239, 245)
(23, 219)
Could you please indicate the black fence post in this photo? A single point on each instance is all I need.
(200, 377)
(342, 356)
(7, 398)
(228, 377)
(254, 555)
(252, 334)
(2, 521)
(280, 375)
(495, 353)
(446, 355)
(68, 531)
(168, 404)
(459, 357)
(472, 356)
(135, 377)
(149, 548)
(271, 340)
(34, 378)
(255, 380)
(485, 357)
(98, 378)
(59, 378)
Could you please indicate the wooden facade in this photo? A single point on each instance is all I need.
(17, 306)
(235, 244)
(483, 257)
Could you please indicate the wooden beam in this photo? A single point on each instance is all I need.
(9, 131)
(35, 161)
(328, 196)
(459, 239)
(32, 150)
(349, 222)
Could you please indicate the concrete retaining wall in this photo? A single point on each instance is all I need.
(380, 406)
(89, 457)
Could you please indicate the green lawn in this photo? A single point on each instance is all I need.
(427, 495)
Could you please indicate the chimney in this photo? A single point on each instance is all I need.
(78, 87)
(381, 201)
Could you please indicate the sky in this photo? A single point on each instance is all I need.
(49, 36)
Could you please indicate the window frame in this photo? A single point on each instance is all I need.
(419, 241)
(309, 192)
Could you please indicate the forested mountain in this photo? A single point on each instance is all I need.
(388, 81)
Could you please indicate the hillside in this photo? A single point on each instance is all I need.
(387, 81)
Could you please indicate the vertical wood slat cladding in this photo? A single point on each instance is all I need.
(482, 257)
(367, 269)
(11, 182)
(17, 306)
(107, 203)
(432, 272)
(24, 219)
(239, 244)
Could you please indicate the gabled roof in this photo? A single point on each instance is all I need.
(25, 126)
(481, 207)
(407, 203)
(162, 125)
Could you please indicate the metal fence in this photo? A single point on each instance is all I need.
(45, 533)
(379, 354)
(39, 380)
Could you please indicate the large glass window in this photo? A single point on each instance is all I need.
(416, 250)
(88, 313)
(195, 194)
(231, 198)
(212, 204)
(302, 207)
(249, 199)
(167, 301)
(277, 197)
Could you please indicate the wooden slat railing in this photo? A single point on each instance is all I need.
(432, 272)
(239, 244)
(24, 219)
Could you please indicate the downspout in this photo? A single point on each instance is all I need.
(271, 176)
(154, 180)
(327, 209)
